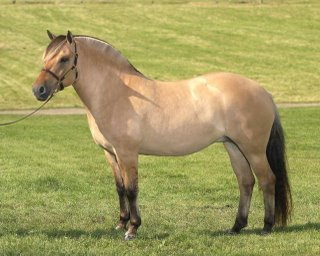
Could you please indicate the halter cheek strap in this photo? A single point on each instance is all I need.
(74, 67)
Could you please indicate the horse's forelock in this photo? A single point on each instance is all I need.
(54, 46)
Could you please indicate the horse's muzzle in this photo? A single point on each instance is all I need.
(41, 92)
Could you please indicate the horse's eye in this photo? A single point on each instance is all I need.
(64, 59)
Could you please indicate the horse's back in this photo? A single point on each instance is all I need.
(231, 84)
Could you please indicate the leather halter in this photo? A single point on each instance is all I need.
(74, 67)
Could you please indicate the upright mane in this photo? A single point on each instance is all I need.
(108, 48)
(104, 46)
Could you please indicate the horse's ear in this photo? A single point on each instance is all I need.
(50, 35)
(69, 37)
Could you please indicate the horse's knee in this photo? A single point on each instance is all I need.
(132, 191)
(120, 190)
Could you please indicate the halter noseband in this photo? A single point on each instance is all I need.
(74, 67)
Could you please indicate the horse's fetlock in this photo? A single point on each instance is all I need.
(125, 217)
(268, 225)
(136, 222)
(240, 223)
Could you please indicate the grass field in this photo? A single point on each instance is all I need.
(57, 196)
(275, 43)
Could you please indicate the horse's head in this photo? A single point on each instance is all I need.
(60, 66)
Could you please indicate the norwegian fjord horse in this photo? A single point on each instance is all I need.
(130, 114)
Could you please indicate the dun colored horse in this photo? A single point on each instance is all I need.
(130, 114)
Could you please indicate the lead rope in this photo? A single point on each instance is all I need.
(60, 84)
(28, 115)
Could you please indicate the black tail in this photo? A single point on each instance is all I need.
(276, 154)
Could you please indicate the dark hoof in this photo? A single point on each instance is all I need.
(265, 232)
(239, 224)
(234, 231)
(266, 229)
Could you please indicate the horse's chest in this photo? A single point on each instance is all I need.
(97, 135)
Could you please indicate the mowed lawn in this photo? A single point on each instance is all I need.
(275, 43)
(57, 196)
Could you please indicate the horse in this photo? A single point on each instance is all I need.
(130, 114)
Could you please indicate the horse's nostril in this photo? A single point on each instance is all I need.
(42, 90)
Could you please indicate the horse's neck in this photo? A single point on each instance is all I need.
(103, 77)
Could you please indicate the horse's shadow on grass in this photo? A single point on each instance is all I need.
(278, 230)
(71, 233)
(113, 234)
(77, 233)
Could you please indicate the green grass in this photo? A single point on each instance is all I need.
(57, 196)
(275, 43)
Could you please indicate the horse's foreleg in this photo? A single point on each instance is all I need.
(246, 182)
(129, 173)
(124, 211)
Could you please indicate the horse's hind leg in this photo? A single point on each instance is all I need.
(246, 182)
(266, 178)
(124, 211)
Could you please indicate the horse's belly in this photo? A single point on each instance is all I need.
(183, 141)
(185, 126)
